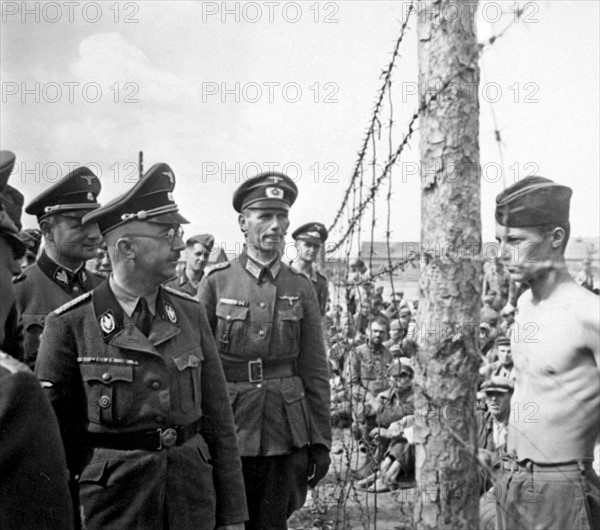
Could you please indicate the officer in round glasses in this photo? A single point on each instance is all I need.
(132, 371)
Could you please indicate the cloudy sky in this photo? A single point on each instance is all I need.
(220, 90)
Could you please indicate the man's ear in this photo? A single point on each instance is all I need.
(242, 222)
(125, 249)
(558, 237)
(46, 227)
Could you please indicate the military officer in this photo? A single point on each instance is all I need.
(133, 373)
(197, 253)
(33, 488)
(59, 274)
(309, 239)
(267, 324)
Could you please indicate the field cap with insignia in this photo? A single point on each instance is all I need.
(315, 233)
(267, 190)
(11, 205)
(150, 200)
(533, 201)
(76, 191)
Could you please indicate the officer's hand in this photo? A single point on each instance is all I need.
(236, 526)
(318, 463)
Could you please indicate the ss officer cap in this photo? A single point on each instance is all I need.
(76, 191)
(267, 190)
(315, 233)
(150, 200)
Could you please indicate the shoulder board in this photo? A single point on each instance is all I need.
(181, 294)
(19, 278)
(11, 364)
(72, 303)
(219, 267)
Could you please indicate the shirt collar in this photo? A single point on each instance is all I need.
(129, 301)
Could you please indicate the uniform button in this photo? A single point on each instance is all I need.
(262, 304)
(155, 385)
(75, 289)
(261, 332)
(104, 402)
(159, 419)
(228, 317)
(106, 376)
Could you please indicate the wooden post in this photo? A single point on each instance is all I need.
(447, 493)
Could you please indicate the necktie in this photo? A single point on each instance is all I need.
(142, 317)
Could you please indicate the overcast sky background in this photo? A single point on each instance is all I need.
(170, 58)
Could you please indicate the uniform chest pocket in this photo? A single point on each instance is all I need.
(188, 369)
(231, 325)
(109, 391)
(290, 319)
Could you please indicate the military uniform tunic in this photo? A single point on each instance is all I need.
(40, 289)
(368, 368)
(182, 283)
(272, 314)
(33, 487)
(104, 376)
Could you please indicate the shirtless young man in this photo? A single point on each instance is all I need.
(548, 481)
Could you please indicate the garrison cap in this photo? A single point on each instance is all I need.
(498, 384)
(76, 191)
(533, 201)
(11, 205)
(150, 200)
(267, 190)
(206, 240)
(315, 233)
(502, 341)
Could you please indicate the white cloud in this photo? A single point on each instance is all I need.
(107, 58)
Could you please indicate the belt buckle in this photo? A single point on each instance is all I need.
(255, 371)
(166, 438)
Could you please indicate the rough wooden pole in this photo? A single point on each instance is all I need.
(450, 284)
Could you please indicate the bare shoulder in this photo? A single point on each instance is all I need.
(583, 304)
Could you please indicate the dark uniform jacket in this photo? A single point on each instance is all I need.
(33, 471)
(182, 283)
(104, 376)
(271, 314)
(40, 289)
(321, 285)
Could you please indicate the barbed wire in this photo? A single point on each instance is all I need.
(387, 73)
(393, 158)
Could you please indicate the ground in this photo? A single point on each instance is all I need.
(337, 504)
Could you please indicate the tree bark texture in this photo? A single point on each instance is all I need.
(447, 493)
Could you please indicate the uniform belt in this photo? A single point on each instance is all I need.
(256, 371)
(511, 464)
(151, 440)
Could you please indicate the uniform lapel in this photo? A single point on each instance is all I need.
(110, 318)
(166, 322)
